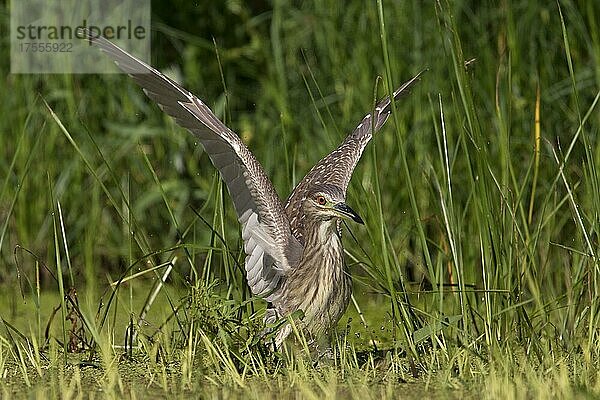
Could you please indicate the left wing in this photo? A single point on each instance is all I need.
(271, 249)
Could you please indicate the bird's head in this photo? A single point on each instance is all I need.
(328, 202)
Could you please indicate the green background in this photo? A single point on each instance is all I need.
(479, 257)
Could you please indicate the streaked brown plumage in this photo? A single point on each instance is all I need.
(294, 252)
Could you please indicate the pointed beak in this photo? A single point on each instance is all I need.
(347, 212)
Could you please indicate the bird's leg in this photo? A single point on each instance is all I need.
(329, 346)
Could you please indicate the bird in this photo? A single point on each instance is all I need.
(294, 252)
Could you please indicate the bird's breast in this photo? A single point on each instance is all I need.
(320, 285)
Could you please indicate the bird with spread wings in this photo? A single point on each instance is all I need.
(294, 255)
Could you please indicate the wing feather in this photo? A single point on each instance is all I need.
(337, 167)
(271, 249)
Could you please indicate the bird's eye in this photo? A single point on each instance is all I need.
(321, 200)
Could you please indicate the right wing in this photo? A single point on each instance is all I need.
(270, 248)
(337, 167)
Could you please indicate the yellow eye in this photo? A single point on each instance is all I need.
(321, 200)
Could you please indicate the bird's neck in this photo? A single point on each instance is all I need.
(320, 232)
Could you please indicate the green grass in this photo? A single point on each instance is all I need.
(476, 274)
